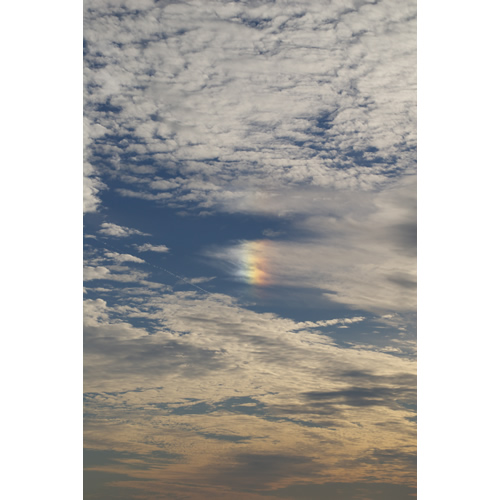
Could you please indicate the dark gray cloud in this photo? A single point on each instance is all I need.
(226, 437)
(361, 396)
(389, 457)
(401, 379)
(255, 472)
(99, 483)
(345, 491)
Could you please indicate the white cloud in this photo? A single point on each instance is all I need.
(92, 184)
(201, 279)
(227, 99)
(115, 273)
(147, 247)
(120, 258)
(95, 273)
(110, 229)
(330, 322)
(91, 187)
(358, 248)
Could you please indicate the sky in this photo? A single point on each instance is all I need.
(42, 251)
(249, 250)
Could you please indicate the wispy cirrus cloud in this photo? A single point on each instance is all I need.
(358, 248)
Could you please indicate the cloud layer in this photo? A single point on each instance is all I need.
(360, 250)
(208, 102)
(179, 372)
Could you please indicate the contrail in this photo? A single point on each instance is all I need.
(155, 266)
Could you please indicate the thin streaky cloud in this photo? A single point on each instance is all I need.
(110, 229)
(147, 247)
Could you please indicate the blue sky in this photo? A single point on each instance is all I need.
(250, 249)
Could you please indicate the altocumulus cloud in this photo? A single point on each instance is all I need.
(224, 99)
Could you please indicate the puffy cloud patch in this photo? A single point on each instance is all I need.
(120, 258)
(220, 100)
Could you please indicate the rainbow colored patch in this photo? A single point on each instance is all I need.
(253, 262)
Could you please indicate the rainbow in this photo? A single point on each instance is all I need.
(253, 262)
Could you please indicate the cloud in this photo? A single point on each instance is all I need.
(110, 229)
(91, 187)
(95, 273)
(281, 110)
(271, 233)
(263, 376)
(120, 258)
(147, 247)
(115, 273)
(358, 248)
(258, 471)
(114, 266)
(330, 322)
(201, 279)
(347, 491)
(222, 100)
(358, 396)
(174, 372)
(303, 113)
(92, 184)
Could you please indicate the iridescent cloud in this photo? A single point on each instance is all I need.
(253, 262)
